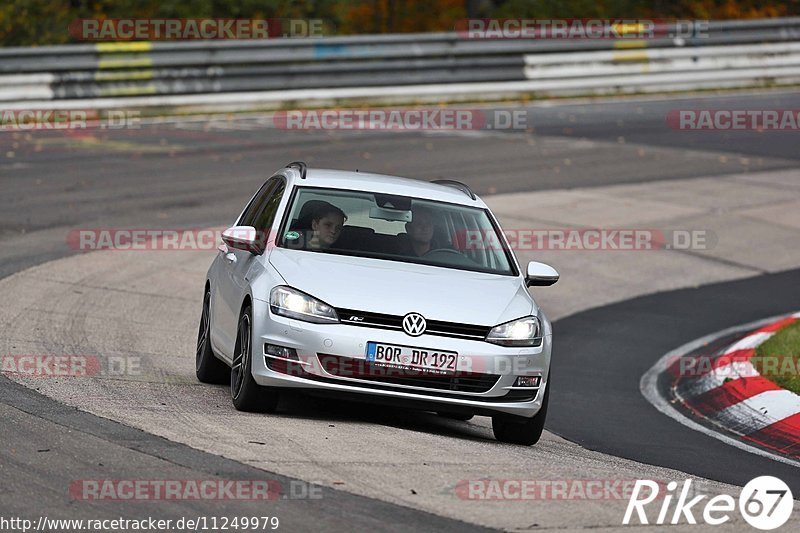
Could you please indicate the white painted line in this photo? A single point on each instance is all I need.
(649, 389)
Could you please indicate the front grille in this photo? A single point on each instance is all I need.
(348, 367)
(435, 327)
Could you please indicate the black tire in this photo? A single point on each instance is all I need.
(521, 430)
(208, 368)
(246, 394)
(456, 416)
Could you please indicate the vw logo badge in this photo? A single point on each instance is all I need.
(414, 324)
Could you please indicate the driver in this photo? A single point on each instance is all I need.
(419, 232)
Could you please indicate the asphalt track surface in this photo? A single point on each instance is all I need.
(604, 352)
(201, 173)
(45, 443)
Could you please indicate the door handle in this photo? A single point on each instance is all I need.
(230, 257)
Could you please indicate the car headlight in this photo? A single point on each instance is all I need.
(291, 303)
(521, 332)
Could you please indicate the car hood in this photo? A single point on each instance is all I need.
(396, 288)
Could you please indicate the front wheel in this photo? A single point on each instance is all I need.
(246, 394)
(521, 430)
(208, 368)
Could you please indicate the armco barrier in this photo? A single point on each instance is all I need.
(727, 53)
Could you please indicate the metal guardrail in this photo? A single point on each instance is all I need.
(730, 52)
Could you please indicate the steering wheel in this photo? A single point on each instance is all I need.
(439, 250)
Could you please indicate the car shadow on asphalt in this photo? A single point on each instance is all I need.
(300, 405)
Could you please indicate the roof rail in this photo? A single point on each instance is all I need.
(458, 185)
(299, 165)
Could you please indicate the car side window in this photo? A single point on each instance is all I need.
(257, 203)
(266, 215)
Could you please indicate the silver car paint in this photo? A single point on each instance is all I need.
(374, 285)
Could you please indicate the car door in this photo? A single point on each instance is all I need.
(228, 293)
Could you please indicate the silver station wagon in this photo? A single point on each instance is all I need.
(377, 288)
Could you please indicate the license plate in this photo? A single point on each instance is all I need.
(408, 357)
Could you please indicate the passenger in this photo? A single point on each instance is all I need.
(418, 239)
(326, 225)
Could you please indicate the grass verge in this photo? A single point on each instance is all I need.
(778, 359)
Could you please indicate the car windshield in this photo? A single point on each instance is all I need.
(398, 228)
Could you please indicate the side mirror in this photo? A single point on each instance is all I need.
(540, 275)
(244, 238)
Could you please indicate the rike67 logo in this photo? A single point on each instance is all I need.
(766, 503)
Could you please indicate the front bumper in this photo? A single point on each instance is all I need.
(344, 342)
